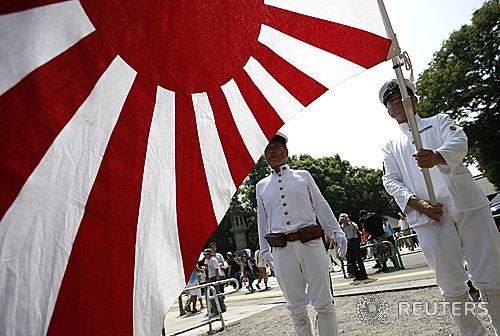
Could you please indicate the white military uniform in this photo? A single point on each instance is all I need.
(286, 202)
(466, 231)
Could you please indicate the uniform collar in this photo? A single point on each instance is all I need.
(281, 168)
(406, 126)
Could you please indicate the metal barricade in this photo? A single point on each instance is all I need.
(400, 242)
(394, 254)
(210, 294)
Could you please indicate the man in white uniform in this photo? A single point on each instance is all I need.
(288, 203)
(460, 228)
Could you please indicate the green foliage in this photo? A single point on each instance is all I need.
(345, 188)
(259, 171)
(463, 81)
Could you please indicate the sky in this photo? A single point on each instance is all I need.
(349, 119)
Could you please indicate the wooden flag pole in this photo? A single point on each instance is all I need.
(410, 115)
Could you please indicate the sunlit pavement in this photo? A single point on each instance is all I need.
(242, 303)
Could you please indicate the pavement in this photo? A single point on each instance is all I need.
(243, 304)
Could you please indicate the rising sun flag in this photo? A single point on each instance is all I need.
(126, 128)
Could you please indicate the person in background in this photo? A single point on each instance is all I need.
(248, 273)
(234, 270)
(366, 252)
(375, 229)
(220, 258)
(389, 236)
(194, 294)
(214, 274)
(202, 277)
(389, 231)
(353, 251)
(458, 229)
(262, 267)
(405, 230)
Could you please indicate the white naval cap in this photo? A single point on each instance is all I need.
(392, 86)
(280, 138)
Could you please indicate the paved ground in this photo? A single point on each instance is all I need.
(275, 321)
(263, 312)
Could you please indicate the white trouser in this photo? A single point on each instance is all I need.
(466, 322)
(300, 267)
(469, 238)
(492, 298)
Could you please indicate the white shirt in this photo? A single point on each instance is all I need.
(403, 224)
(453, 183)
(288, 201)
(350, 231)
(221, 260)
(212, 265)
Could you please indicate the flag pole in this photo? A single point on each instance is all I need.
(410, 115)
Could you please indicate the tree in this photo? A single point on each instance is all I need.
(345, 188)
(259, 171)
(463, 81)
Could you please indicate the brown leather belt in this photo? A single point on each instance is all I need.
(292, 236)
(306, 234)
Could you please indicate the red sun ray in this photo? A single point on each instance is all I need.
(304, 88)
(183, 46)
(98, 284)
(358, 46)
(195, 215)
(33, 114)
(267, 118)
(7, 7)
(238, 158)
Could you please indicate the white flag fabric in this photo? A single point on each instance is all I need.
(126, 128)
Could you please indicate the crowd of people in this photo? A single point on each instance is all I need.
(249, 271)
(372, 229)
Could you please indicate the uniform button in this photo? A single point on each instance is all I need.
(279, 174)
(288, 223)
(286, 213)
(281, 188)
(279, 180)
(284, 204)
(282, 196)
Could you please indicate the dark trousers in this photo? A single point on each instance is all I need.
(355, 259)
(237, 276)
(250, 277)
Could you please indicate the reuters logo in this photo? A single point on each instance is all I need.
(372, 309)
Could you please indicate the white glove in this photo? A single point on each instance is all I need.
(268, 257)
(341, 242)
